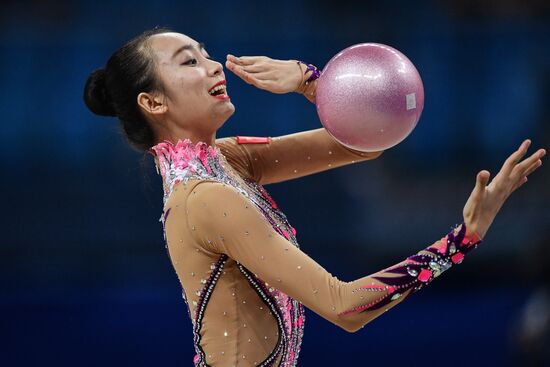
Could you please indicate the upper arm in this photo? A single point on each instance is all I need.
(296, 155)
(225, 221)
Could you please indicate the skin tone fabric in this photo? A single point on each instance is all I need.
(244, 278)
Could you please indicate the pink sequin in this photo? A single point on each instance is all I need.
(457, 258)
(287, 315)
(424, 275)
(285, 233)
(443, 248)
(268, 197)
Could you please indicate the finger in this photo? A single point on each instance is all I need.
(238, 70)
(528, 162)
(249, 78)
(243, 60)
(482, 179)
(520, 183)
(533, 167)
(514, 158)
(523, 178)
(254, 68)
(251, 69)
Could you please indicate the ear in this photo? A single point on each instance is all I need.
(151, 103)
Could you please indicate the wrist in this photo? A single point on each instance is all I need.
(473, 228)
(310, 91)
(455, 245)
(308, 84)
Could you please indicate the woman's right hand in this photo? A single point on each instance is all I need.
(486, 200)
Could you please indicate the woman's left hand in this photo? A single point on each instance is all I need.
(275, 76)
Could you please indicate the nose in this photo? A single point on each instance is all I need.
(215, 67)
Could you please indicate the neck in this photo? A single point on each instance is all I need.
(184, 159)
(179, 133)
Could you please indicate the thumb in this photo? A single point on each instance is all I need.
(482, 179)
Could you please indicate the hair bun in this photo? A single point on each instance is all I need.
(96, 96)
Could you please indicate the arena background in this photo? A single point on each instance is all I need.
(84, 275)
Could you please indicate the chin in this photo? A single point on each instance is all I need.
(225, 117)
(230, 111)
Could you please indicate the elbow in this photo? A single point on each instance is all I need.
(353, 329)
(374, 155)
(364, 156)
(350, 326)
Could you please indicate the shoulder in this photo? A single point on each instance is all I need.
(204, 201)
(214, 206)
(213, 192)
(237, 155)
(185, 192)
(199, 195)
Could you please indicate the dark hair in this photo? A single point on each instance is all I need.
(113, 90)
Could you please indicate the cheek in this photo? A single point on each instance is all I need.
(184, 79)
(190, 77)
(189, 87)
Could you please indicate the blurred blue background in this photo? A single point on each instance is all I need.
(84, 275)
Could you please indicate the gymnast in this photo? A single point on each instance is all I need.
(244, 278)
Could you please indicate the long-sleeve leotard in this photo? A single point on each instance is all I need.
(214, 231)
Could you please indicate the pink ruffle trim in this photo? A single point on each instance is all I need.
(183, 152)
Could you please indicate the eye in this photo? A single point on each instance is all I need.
(195, 60)
(187, 62)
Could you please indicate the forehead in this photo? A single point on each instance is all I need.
(165, 44)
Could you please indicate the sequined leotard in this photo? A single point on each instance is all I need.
(244, 278)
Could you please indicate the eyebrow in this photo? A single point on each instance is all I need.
(188, 47)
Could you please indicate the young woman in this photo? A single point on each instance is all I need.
(244, 278)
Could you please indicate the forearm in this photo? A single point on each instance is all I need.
(386, 288)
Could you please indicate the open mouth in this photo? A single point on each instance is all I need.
(219, 91)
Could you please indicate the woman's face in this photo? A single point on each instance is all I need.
(188, 74)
